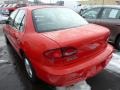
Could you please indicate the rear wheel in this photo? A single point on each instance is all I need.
(29, 70)
(117, 43)
(32, 75)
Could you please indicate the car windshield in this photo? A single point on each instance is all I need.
(51, 19)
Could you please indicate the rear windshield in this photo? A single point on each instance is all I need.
(51, 19)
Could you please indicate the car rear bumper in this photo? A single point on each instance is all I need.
(73, 74)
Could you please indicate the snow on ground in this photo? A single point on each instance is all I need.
(2, 40)
(79, 86)
(114, 65)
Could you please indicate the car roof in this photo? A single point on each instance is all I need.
(39, 7)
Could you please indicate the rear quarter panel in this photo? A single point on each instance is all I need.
(35, 44)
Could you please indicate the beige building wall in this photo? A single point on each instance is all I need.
(98, 2)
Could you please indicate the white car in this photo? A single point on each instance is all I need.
(3, 18)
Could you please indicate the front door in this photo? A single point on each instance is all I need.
(9, 27)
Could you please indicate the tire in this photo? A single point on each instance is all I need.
(7, 41)
(117, 43)
(29, 70)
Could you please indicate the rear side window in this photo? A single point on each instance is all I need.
(92, 13)
(110, 13)
(19, 19)
(51, 19)
(12, 17)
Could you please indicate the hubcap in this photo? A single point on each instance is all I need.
(28, 68)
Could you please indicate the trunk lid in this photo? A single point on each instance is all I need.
(88, 40)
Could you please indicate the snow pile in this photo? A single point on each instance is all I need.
(114, 64)
(79, 86)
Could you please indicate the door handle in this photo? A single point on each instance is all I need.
(17, 39)
(14, 35)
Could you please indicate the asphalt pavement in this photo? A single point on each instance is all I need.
(12, 76)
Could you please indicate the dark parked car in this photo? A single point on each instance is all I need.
(108, 16)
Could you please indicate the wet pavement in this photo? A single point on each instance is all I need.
(13, 77)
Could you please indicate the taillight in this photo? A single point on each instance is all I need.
(69, 51)
(53, 54)
(60, 52)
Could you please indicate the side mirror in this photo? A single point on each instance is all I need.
(83, 16)
(6, 22)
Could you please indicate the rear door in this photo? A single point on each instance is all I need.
(110, 18)
(92, 15)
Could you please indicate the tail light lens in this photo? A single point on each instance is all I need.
(53, 54)
(69, 51)
(60, 52)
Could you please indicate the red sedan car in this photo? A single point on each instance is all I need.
(57, 45)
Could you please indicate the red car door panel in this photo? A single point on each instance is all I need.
(16, 38)
(9, 33)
